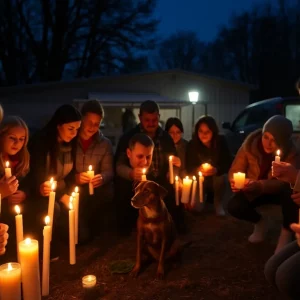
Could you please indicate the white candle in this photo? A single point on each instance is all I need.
(144, 178)
(277, 157)
(7, 170)
(72, 249)
(91, 174)
(171, 170)
(51, 205)
(186, 189)
(206, 167)
(239, 180)
(194, 187)
(19, 228)
(201, 179)
(76, 208)
(177, 190)
(89, 281)
(0, 203)
(46, 257)
(10, 281)
(30, 273)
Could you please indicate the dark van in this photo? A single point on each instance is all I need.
(256, 114)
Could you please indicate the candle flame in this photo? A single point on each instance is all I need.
(52, 186)
(144, 171)
(171, 157)
(7, 164)
(28, 241)
(47, 220)
(73, 194)
(76, 189)
(278, 152)
(71, 205)
(90, 168)
(17, 209)
(51, 180)
(200, 174)
(9, 267)
(186, 177)
(194, 177)
(176, 178)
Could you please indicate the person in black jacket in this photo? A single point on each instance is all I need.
(159, 169)
(209, 147)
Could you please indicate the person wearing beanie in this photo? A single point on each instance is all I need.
(52, 154)
(255, 158)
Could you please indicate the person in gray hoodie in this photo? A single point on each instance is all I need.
(94, 149)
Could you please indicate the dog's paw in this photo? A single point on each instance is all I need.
(135, 272)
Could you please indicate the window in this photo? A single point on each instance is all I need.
(292, 112)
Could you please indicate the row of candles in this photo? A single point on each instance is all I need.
(27, 268)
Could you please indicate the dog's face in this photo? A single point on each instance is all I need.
(146, 192)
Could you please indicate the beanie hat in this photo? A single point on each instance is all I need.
(281, 128)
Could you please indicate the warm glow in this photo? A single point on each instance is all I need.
(73, 194)
(51, 180)
(17, 209)
(28, 241)
(9, 267)
(200, 174)
(194, 177)
(47, 220)
(170, 158)
(71, 199)
(144, 171)
(278, 152)
(52, 186)
(76, 189)
(7, 164)
(176, 178)
(71, 204)
(90, 168)
(186, 177)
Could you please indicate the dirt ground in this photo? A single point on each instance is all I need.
(219, 264)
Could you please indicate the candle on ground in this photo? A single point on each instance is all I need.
(10, 281)
(91, 174)
(201, 179)
(177, 190)
(171, 170)
(19, 228)
(72, 249)
(206, 166)
(51, 205)
(186, 189)
(30, 273)
(46, 257)
(194, 187)
(89, 281)
(7, 170)
(144, 178)
(277, 157)
(239, 180)
(76, 208)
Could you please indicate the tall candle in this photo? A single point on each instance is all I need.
(206, 166)
(76, 208)
(144, 178)
(0, 203)
(46, 257)
(30, 273)
(277, 157)
(7, 170)
(91, 174)
(186, 189)
(51, 206)
(171, 170)
(10, 281)
(201, 179)
(177, 190)
(239, 180)
(72, 249)
(194, 187)
(19, 228)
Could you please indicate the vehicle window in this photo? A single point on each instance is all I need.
(259, 115)
(240, 121)
(292, 112)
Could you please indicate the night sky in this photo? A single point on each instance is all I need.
(203, 16)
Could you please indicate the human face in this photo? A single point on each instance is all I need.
(90, 125)
(175, 133)
(67, 131)
(269, 143)
(204, 134)
(149, 122)
(14, 140)
(140, 156)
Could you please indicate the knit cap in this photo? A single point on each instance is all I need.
(281, 128)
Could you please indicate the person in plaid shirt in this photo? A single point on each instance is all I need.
(159, 169)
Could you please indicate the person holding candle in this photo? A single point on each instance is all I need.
(163, 148)
(209, 154)
(93, 149)
(254, 158)
(3, 237)
(52, 151)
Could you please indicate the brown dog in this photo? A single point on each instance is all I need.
(155, 228)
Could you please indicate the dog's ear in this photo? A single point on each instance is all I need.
(162, 191)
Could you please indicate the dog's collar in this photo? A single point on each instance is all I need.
(158, 219)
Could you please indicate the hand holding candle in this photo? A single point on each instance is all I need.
(3, 237)
(144, 178)
(277, 157)
(19, 228)
(91, 174)
(239, 180)
(46, 257)
(7, 170)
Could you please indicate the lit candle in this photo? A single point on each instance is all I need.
(239, 180)
(7, 170)
(30, 273)
(89, 281)
(193, 200)
(75, 196)
(10, 281)
(91, 174)
(51, 205)
(277, 157)
(46, 257)
(0, 203)
(72, 249)
(144, 178)
(201, 179)
(171, 170)
(206, 167)
(19, 228)
(177, 190)
(186, 189)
